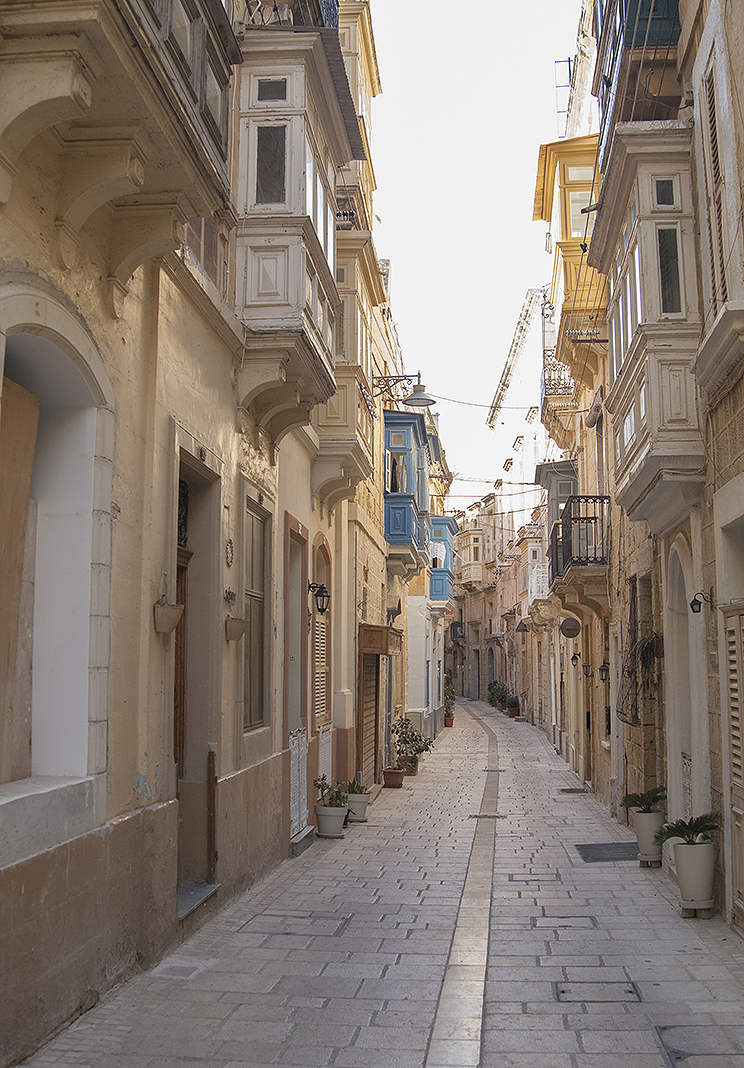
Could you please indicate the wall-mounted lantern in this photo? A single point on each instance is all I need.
(575, 659)
(322, 596)
(696, 604)
(604, 671)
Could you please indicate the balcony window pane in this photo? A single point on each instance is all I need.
(671, 295)
(397, 472)
(309, 179)
(580, 174)
(637, 278)
(272, 88)
(578, 200)
(629, 427)
(271, 165)
(664, 192)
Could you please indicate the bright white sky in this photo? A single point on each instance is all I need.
(468, 96)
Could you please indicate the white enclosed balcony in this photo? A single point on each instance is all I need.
(297, 126)
(644, 239)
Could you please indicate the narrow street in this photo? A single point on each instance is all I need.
(377, 949)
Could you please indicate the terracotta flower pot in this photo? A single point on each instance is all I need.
(449, 721)
(393, 777)
(410, 764)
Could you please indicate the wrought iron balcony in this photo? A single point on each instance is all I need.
(581, 537)
(629, 42)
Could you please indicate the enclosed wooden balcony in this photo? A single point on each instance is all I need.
(345, 428)
(135, 95)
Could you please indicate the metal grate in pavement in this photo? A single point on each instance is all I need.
(572, 790)
(597, 992)
(607, 852)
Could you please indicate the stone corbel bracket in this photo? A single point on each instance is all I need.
(43, 81)
(143, 228)
(99, 165)
(338, 470)
(276, 405)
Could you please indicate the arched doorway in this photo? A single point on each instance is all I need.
(57, 409)
(679, 682)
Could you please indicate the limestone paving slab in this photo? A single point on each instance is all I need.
(429, 939)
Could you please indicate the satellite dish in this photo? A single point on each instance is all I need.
(570, 627)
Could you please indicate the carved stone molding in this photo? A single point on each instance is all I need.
(99, 165)
(43, 81)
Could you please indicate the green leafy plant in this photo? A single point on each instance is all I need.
(354, 787)
(498, 692)
(449, 694)
(512, 701)
(331, 794)
(409, 742)
(691, 832)
(647, 800)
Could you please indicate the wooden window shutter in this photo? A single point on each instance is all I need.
(320, 672)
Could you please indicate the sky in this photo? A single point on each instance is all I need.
(468, 96)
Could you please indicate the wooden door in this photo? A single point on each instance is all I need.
(734, 632)
(368, 718)
(179, 680)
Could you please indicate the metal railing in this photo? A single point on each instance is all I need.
(581, 537)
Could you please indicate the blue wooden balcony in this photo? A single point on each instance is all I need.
(441, 584)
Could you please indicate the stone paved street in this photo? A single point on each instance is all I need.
(377, 949)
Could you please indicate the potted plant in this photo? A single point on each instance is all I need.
(498, 694)
(694, 858)
(393, 777)
(449, 700)
(512, 705)
(331, 808)
(647, 821)
(409, 745)
(357, 799)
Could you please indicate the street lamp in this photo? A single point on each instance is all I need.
(322, 596)
(419, 398)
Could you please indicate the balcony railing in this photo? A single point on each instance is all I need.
(581, 537)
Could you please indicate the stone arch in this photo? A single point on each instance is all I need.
(686, 705)
(48, 353)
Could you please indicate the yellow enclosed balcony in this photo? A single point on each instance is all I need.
(578, 292)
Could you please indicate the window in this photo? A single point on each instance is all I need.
(203, 238)
(671, 295)
(397, 482)
(714, 181)
(272, 88)
(664, 192)
(625, 310)
(254, 542)
(271, 165)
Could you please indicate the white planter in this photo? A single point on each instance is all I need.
(357, 807)
(646, 824)
(167, 617)
(695, 870)
(330, 821)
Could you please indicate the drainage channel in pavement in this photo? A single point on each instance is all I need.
(456, 1034)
